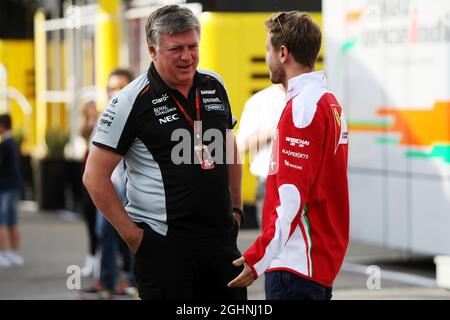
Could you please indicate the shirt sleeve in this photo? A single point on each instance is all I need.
(296, 156)
(231, 119)
(115, 129)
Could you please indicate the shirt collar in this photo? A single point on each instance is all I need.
(298, 83)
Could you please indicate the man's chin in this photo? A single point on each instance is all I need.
(186, 76)
(275, 81)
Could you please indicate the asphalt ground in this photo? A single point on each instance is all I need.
(54, 241)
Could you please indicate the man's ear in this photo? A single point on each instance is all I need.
(151, 50)
(283, 53)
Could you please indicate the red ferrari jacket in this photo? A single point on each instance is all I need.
(305, 227)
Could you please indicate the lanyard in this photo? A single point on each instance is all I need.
(201, 150)
(194, 125)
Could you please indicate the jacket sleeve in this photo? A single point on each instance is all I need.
(296, 156)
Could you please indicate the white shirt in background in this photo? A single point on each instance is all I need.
(261, 113)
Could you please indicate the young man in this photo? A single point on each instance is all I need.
(10, 187)
(182, 217)
(306, 210)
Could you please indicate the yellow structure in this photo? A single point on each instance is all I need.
(233, 45)
(40, 59)
(107, 42)
(54, 87)
(18, 58)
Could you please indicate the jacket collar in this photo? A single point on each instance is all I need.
(298, 83)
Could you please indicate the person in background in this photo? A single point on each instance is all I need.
(305, 230)
(257, 127)
(88, 208)
(116, 281)
(10, 191)
(90, 114)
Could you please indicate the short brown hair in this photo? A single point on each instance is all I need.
(298, 33)
(5, 121)
(170, 19)
(122, 73)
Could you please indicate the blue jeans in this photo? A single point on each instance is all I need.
(9, 207)
(285, 285)
(111, 244)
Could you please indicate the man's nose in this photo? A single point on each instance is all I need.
(186, 54)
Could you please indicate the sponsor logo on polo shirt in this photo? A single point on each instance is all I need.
(211, 100)
(214, 107)
(337, 117)
(113, 102)
(167, 119)
(344, 137)
(294, 154)
(105, 122)
(163, 98)
(208, 91)
(293, 166)
(163, 110)
(108, 116)
(296, 141)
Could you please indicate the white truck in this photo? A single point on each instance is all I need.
(388, 62)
